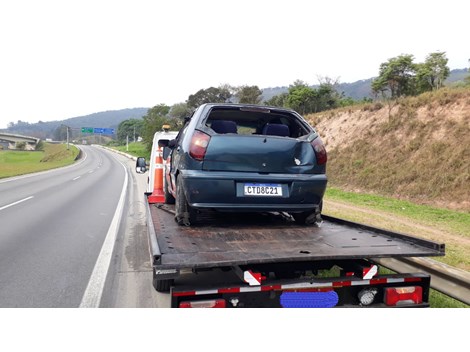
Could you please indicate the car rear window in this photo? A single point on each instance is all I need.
(253, 121)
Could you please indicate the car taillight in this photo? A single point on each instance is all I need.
(320, 151)
(199, 143)
(403, 295)
(214, 303)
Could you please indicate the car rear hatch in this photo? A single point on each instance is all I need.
(259, 153)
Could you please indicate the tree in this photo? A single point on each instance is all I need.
(396, 77)
(154, 120)
(433, 72)
(301, 97)
(179, 111)
(209, 95)
(328, 96)
(131, 128)
(39, 145)
(249, 94)
(279, 100)
(20, 145)
(60, 133)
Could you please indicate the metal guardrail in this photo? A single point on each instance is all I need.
(446, 279)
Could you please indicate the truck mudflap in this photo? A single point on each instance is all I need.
(397, 290)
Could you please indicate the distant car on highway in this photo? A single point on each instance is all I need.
(246, 158)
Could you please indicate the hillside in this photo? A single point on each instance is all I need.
(419, 151)
(362, 89)
(105, 119)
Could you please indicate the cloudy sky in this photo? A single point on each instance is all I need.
(61, 59)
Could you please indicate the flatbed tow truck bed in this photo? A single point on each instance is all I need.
(228, 239)
(272, 256)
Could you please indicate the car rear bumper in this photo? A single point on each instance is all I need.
(225, 191)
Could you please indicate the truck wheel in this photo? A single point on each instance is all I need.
(163, 285)
(184, 214)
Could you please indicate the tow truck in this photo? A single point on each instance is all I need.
(253, 260)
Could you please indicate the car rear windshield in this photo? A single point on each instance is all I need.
(256, 121)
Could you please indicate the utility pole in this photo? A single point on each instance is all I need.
(134, 133)
(127, 143)
(67, 127)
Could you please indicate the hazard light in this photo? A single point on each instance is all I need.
(213, 303)
(403, 295)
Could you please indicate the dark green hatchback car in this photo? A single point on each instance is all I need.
(246, 158)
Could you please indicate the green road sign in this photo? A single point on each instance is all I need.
(87, 129)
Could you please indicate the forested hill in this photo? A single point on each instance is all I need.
(361, 89)
(111, 119)
(105, 119)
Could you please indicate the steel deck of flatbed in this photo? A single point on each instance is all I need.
(230, 239)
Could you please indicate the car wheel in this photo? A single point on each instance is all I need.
(309, 217)
(169, 199)
(184, 214)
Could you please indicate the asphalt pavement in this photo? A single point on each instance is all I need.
(52, 228)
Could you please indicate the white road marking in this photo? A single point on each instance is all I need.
(15, 203)
(94, 291)
(76, 178)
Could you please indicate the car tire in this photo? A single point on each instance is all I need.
(309, 217)
(169, 199)
(184, 214)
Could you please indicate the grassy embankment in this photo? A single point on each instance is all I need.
(440, 225)
(415, 148)
(135, 148)
(14, 163)
(404, 166)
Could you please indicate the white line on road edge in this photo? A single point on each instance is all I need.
(18, 202)
(92, 296)
(76, 178)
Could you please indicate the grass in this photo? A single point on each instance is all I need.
(449, 220)
(14, 163)
(440, 225)
(135, 148)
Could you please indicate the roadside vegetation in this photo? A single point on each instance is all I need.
(436, 224)
(420, 151)
(135, 148)
(14, 163)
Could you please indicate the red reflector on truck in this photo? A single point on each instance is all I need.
(403, 295)
(213, 303)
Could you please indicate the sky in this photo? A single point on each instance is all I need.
(62, 59)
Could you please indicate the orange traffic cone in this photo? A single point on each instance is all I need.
(158, 196)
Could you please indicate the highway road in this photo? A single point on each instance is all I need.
(76, 236)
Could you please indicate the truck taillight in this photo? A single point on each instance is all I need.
(320, 151)
(403, 295)
(213, 303)
(199, 144)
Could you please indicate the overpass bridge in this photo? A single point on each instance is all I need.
(9, 141)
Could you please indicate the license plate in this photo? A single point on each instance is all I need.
(263, 190)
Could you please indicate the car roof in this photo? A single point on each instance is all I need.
(252, 106)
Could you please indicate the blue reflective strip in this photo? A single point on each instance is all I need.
(309, 299)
